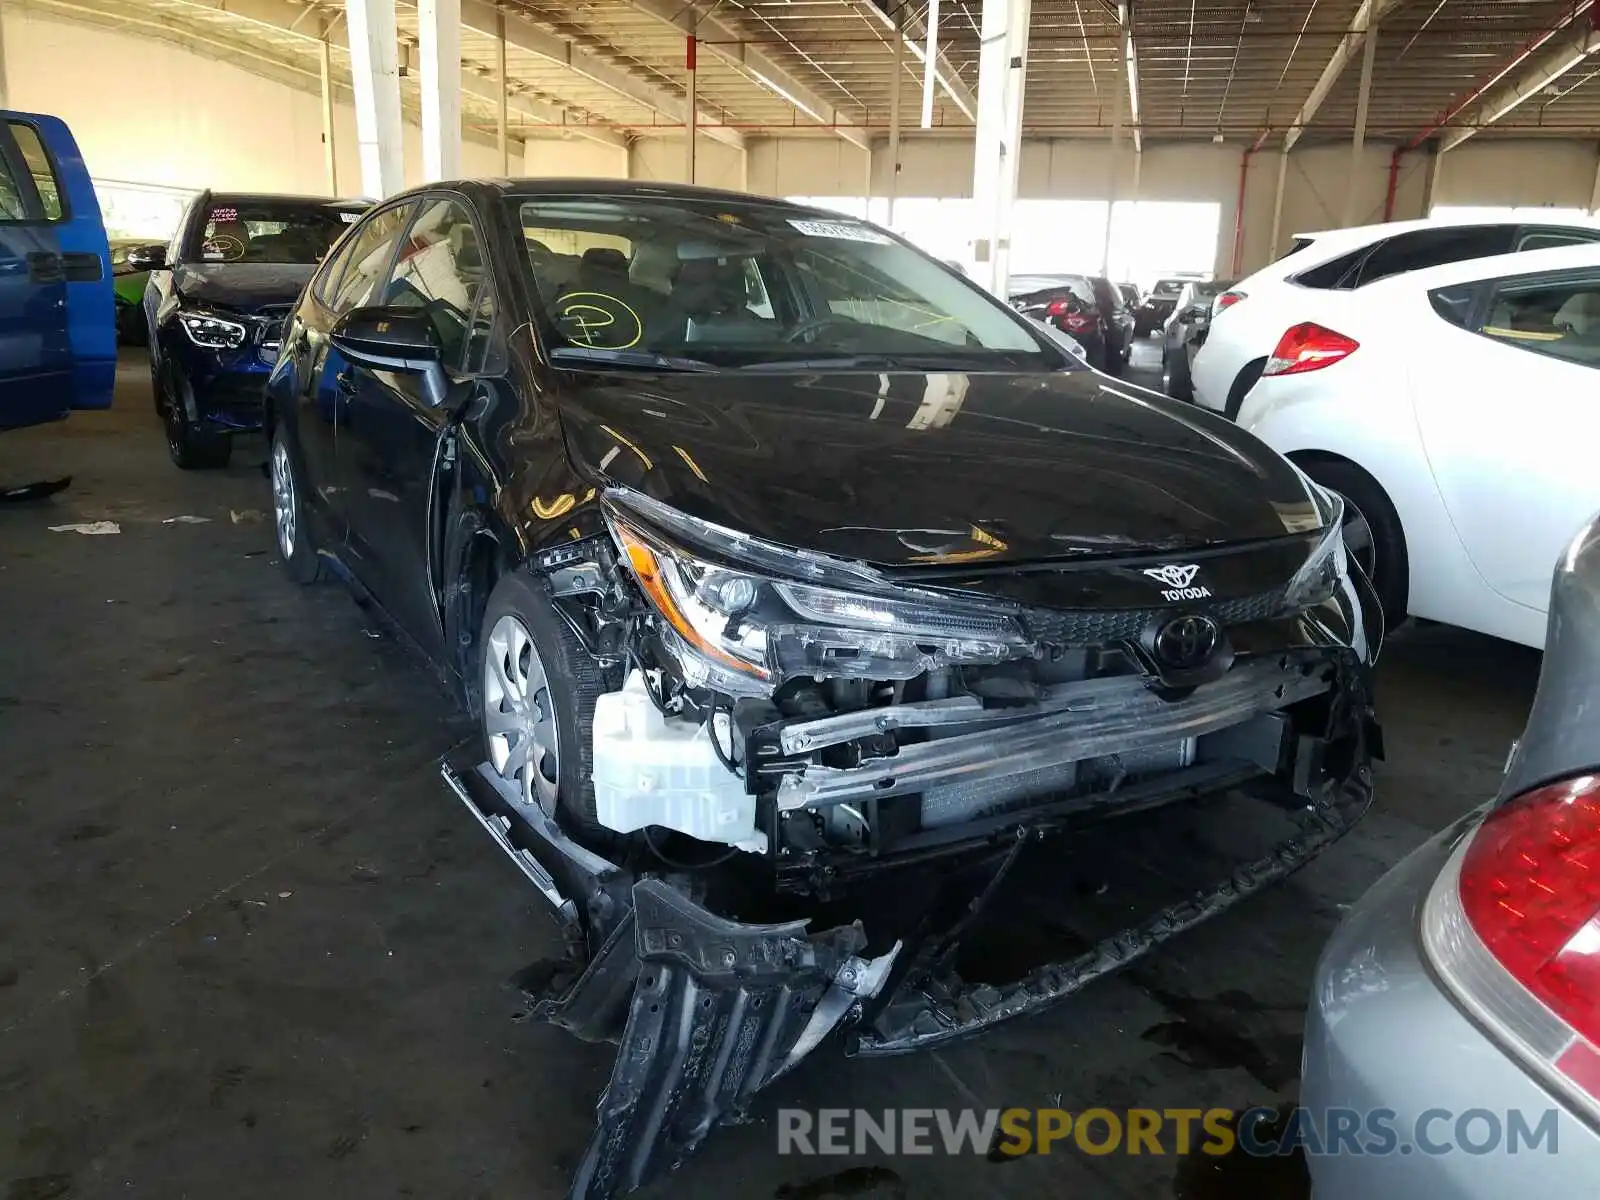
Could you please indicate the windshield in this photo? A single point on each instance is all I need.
(296, 232)
(722, 283)
(1169, 287)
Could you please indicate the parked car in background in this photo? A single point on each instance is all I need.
(128, 283)
(1067, 303)
(1244, 330)
(757, 540)
(58, 349)
(1158, 305)
(215, 305)
(1453, 408)
(1131, 296)
(1464, 981)
(1118, 321)
(1185, 332)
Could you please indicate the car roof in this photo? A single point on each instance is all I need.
(281, 198)
(1358, 233)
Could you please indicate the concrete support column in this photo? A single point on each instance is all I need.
(894, 120)
(1352, 186)
(439, 27)
(375, 74)
(330, 160)
(3, 90)
(689, 135)
(1430, 181)
(1111, 176)
(1002, 59)
(502, 76)
(1277, 205)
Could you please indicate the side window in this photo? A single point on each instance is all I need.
(1558, 319)
(1535, 238)
(36, 159)
(1433, 248)
(440, 270)
(1332, 274)
(1454, 303)
(368, 260)
(322, 287)
(480, 334)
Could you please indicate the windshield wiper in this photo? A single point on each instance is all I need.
(911, 361)
(641, 359)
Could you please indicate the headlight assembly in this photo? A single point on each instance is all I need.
(744, 632)
(1328, 563)
(213, 333)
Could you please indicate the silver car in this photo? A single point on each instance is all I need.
(1454, 1026)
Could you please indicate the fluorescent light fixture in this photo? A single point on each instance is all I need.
(930, 69)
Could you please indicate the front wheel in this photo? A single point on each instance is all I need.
(295, 544)
(192, 448)
(1373, 535)
(538, 695)
(1175, 380)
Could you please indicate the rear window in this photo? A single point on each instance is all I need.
(1169, 287)
(1411, 251)
(269, 231)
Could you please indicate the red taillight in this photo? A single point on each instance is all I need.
(1226, 300)
(1057, 308)
(1530, 889)
(1077, 322)
(1308, 347)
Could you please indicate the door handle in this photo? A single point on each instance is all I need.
(45, 267)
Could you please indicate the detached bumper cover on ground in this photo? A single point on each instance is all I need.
(708, 1011)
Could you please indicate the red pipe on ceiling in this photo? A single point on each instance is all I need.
(1238, 208)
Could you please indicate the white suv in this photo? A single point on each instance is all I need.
(1248, 319)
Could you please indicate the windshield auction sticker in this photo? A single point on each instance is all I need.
(843, 230)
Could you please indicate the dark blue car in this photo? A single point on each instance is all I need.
(216, 303)
(58, 348)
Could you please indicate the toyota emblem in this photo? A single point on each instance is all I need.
(1187, 642)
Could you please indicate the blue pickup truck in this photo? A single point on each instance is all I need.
(58, 341)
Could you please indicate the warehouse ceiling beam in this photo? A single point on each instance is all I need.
(1563, 55)
(280, 17)
(1368, 15)
(725, 41)
(913, 32)
(522, 34)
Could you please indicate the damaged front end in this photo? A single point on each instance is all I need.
(791, 728)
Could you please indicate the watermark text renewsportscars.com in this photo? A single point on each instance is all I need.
(1261, 1132)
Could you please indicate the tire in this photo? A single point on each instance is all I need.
(1242, 383)
(296, 545)
(1175, 380)
(192, 449)
(520, 617)
(1384, 559)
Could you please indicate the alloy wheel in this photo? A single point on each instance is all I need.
(518, 713)
(283, 505)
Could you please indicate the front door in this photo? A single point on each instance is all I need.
(57, 317)
(390, 448)
(1507, 412)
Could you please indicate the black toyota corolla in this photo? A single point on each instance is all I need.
(775, 559)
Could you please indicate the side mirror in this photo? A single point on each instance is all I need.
(147, 258)
(394, 339)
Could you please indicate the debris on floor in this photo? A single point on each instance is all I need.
(35, 491)
(241, 515)
(187, 519)
(88, 527)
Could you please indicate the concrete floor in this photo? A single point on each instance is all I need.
(251, 948)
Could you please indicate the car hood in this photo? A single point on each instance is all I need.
(242, 287)
(909, 468)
